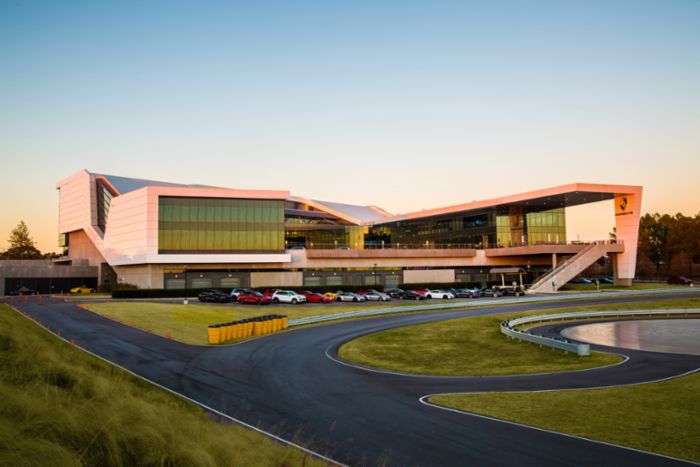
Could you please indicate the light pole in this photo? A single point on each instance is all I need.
(375, 275)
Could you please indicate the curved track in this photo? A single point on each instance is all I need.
(286, 384)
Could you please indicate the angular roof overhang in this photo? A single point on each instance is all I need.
(573, 194)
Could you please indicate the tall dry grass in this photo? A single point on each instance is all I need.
(60, 406)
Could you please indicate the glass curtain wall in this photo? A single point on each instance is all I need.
(507, 227)
(219, 225)
(466, 231)
(546, 227)
(516, 227)
(322, 233)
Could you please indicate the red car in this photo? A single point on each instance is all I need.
(316, 297)
(255, 298)
(422, 292)
(270, 292)
(679, 280)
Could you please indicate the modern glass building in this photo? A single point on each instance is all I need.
(160, 234)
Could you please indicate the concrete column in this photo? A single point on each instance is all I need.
(617, 280)
(627, 213)
(554, 260)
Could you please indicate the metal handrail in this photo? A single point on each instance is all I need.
(436, 246)
(561, 266)
(508, 327)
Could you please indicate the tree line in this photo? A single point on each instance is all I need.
(668, 245)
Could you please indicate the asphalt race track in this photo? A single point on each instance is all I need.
(290, 384)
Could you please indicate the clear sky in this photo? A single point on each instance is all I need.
(403, 104)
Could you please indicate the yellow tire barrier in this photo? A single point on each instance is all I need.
(224, 332)
(214, 333)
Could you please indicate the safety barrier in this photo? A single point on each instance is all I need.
(475, 303)
(508, 327)
(224, 332)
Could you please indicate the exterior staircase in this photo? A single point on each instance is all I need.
(567, 270)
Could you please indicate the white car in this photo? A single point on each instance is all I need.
(349, 297)
(287, 296)
(376, 296)
(439, 294)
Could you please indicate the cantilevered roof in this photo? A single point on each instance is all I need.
(569, 195)
(364, 214)
(125, 184)
(353, 213)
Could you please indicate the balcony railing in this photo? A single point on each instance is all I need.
(437, 246)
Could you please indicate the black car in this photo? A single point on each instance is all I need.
(395, 293)
(511, 291)
(23, 291)
(468, 293)
(413, 295)
(213, 295)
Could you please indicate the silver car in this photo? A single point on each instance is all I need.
(374, 296)
(349, 297)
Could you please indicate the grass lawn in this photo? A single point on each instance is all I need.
(188, 323)
(63, 407)
(475, 346)
(659, 417)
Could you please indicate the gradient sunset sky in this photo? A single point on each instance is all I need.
(406, 105)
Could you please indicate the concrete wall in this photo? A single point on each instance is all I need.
(132, 228)
(412, 276)
(75, 206)
(80, 247)
(392, 253)
(149, 276)
(307, 259)
(276, 279)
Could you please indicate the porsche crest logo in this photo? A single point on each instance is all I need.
(623, 203)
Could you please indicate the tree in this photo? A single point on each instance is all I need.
(670, 241)
(653, 238)
(22, 244)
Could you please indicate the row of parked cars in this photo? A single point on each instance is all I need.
(249, 296)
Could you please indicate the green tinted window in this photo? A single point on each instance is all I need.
(191, 225)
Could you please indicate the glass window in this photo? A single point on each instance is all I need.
(190, 225)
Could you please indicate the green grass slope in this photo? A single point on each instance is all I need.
(63, 407)
(658, 417)
(460, 347)
(475, 346)
(188, 323)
